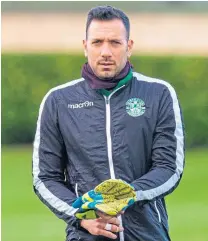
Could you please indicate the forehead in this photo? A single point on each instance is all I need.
(106, 28)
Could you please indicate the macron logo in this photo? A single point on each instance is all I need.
(80, 105)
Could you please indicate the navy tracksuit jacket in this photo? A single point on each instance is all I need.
(84, 137)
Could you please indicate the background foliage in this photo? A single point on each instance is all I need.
(27, 78)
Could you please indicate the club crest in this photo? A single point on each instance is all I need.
(135, 107)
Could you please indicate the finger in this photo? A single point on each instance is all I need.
(113, 228)
(107, 234)
(103, 215)
(114, 220)
(109, 219)
(109, 226)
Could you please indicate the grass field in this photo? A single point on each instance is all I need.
(25, 218)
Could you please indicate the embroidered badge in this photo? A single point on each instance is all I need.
(135, 107)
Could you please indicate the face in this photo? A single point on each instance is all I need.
(107, 48)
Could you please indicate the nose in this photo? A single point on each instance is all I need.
(105, 51)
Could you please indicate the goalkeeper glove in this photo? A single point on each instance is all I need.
(110, 197)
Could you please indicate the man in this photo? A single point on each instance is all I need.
(113, 123)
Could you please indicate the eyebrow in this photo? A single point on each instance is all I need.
(101, 39)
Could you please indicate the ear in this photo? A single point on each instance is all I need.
(85, 47)
(130, 47)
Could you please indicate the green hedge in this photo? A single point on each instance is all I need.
(27, 78)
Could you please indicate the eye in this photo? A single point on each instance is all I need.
(96, 41)
(115, 42)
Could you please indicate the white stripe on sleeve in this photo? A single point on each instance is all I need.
(165, 187)
(54, 201)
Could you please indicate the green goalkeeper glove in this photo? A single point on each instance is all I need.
(110, 197)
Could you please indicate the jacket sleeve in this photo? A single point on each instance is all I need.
(49, 163)
(167, 151)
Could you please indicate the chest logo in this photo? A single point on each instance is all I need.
(135, 107)
(80, 105)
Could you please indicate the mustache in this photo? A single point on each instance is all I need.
(106, 60)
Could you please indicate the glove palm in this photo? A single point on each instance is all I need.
(110, 197)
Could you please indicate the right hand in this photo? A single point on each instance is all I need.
(111, 197)
(97, 226)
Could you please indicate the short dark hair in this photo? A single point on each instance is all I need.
(107, 13)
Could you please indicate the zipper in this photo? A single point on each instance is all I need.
(109, 146)
(109, 140)
(77, 194)
(76, 189)
(158, 213)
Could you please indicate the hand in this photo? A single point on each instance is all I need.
(107, 191)
(117, 197)
(103, 226)
(111, 197)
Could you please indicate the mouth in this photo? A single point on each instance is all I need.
(106, 64)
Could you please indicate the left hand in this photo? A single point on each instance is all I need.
(100, 226)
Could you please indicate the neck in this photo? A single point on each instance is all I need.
(98, 83)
